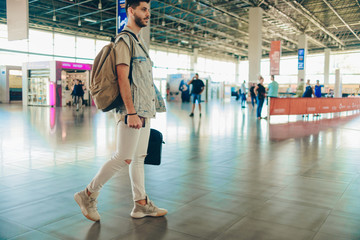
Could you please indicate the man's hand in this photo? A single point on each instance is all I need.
(134, 121)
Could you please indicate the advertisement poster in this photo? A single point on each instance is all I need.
(121, 19)
(275, 54)
(301, 56)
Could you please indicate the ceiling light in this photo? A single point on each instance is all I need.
(192, 31)
(153, 39)
(101, 27)
(214, 13)
(79, 23)
(163, 23)
(100, 5)
(180, 1)
(190, 46)
(90, 20)
(198, 7)
(54, 17)
(228, 19)
(179, 28)
(179, 44)
(205, 35)
(240, 24)
(166, 41)
(184, 41)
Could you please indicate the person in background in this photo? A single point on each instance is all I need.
(273, 88)
(300, 88)
(261, 94)
(318, 89)
(185, 91)
(78, 92)
(198, 87)
(243, 94)
(308, 90)
(252, 94)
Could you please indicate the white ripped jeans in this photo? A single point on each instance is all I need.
(131, 144)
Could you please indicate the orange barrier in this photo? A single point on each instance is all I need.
(299, 106)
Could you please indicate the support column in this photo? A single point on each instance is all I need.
(193, 60)
(302, 44)
(255, 43)
(327, 66)
(338, 84)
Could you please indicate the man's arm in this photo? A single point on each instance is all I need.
(255, 90)
(125, 91)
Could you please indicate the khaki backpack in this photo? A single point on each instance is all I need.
(104, 86)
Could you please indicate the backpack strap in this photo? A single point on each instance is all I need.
(132, 48)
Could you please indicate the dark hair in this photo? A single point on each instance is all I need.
(273, 76)
(134, 3)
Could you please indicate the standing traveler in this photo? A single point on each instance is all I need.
(308, 90)
(78, 93)
(318, 89)
(141, 101)
(252, 94)
(273, 88)
(243, 94)
(260, 93)
(185, 91)
(300, 88)
(198, 87)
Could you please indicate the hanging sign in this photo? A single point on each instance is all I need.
(275, 54)
(301, 59)
(121, 18)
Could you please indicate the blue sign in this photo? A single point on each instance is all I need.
(301, 59)
(121, 18)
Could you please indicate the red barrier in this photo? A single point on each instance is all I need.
(299, 106)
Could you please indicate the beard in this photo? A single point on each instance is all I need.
(140, 21)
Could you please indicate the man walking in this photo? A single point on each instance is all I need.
(133, 125)
(198, 87)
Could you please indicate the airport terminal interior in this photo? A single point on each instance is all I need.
(292, 173)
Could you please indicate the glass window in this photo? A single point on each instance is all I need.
(85, 47)
(64, 45)
(15, 59)
(40, 42)
(99, 44)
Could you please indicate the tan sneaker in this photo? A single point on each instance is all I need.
(87, 204)
(148, 210)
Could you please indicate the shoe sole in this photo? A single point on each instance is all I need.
(79, 201)
(142, 215)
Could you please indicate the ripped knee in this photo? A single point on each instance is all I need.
(128, 161)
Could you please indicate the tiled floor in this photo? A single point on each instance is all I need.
(224, 176)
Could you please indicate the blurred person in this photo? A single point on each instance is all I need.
(273, 88)
(308, 90)
(243, 94)
(260, 94)
(198, 87)
(141, 102)
(252, 94)
(318, 89)
(300, 88)
(78, 93)
(185, 91)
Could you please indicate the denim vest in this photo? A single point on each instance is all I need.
(146, 97)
